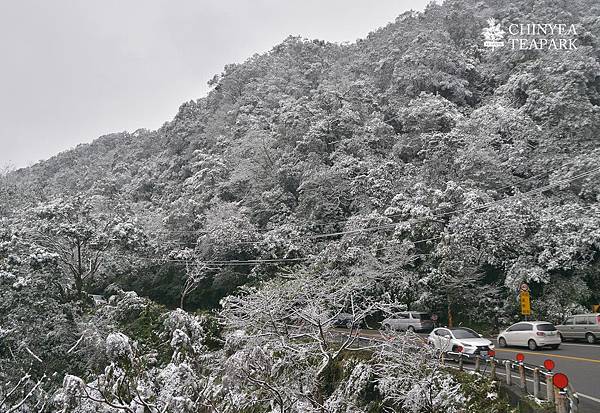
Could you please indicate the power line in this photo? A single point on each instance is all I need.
(309, 260)
(387, 216)
(424, 219)
(386, 226)
(476, 208)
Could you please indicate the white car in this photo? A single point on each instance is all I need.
(532, 334)
(459, 339)
(413, 321)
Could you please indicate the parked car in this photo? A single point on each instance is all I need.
(581, 327)
(98, 300)
(409, 321)
(459, 339)
(532, 334)
(345, 320)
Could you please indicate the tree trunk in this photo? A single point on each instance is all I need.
(323, 379)
(79, 286)
(78, 275)
(182, 300)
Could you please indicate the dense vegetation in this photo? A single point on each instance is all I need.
(412, 169)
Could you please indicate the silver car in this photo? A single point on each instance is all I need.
(581, 327)
(409, 321)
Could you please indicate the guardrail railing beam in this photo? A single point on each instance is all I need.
(564, 402)
(574, 399)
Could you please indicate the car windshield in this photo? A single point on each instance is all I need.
(546, 327)
(464, 333)
(422, 316)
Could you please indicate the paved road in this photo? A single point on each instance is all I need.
(579, 361)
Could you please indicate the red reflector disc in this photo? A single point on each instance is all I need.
(520, 357)
(560, 380)
(549, 364)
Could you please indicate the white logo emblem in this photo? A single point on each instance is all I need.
(493, 34)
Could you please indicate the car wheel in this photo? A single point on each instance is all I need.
(386, 327)
(348, 324)
(590, 338)
(555, 346)
(502, 342)
(410, 329)
(532, 345)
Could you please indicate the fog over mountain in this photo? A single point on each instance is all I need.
(87, 69)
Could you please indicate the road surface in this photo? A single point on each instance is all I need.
(579, 361)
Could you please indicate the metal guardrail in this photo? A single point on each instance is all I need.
(565, 401)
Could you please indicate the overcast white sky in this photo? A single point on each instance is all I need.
(71, 71)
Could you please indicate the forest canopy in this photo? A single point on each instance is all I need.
(413, 169)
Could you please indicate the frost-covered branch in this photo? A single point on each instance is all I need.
(30, 393)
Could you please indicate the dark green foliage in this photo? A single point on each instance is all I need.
(479, 389)
(417, 147)
(312, 135)
(146, 327)
(213, 330)
(339, 373)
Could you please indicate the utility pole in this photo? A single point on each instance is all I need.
(450, 321)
